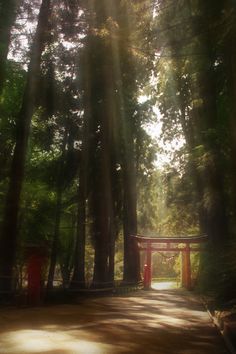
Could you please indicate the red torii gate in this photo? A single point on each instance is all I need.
(169, 244)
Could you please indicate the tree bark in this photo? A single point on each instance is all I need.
(101, 98)
(216, 222)
(131, 252)
(229, 52)
(55, 242)
(217, 226)
(78, 277)
(103, 209)
(56, 235)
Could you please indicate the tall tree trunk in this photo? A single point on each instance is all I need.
(111, 251)
(186, 121)
(131, 252)
(55, 242)
(102, 191)
(7, 16)
(217, 226)
(9, 236)
(217, 223)
(230, 67)
(78, 277)
(102, 215)
(56, 235)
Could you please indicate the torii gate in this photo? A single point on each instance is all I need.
(169, 244)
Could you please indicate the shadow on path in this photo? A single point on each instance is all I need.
(156, 321)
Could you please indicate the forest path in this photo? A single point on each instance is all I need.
(156, 321)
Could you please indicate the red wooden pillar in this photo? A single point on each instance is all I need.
(35, 262)
(183, 269)
(148, 267)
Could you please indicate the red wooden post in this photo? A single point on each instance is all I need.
(186, 267)
(145, 277)
(34, 279)
(148, 267)
(183, 272)
(36, 258)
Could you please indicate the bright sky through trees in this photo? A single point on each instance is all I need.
(167, 149)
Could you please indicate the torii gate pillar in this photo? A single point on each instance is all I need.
(148, 268)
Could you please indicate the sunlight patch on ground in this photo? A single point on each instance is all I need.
(165, 285)
(40, 341)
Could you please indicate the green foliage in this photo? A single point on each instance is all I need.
(10, 102)
(166, 205)
(164, 265)
(37, 213)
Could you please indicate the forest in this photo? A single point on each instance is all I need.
(118, 118)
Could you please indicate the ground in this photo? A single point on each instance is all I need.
(156, 321)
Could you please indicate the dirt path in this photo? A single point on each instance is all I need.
(160, 322)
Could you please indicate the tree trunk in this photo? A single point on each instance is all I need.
(131, 252)
(111, 265)
(78, 277)
(217, 226)
(56, 235)
(55, 242)
(230, 60)
(216, 222)
(190, 137)
(102, 214)
(10, 221)
(98, 108)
